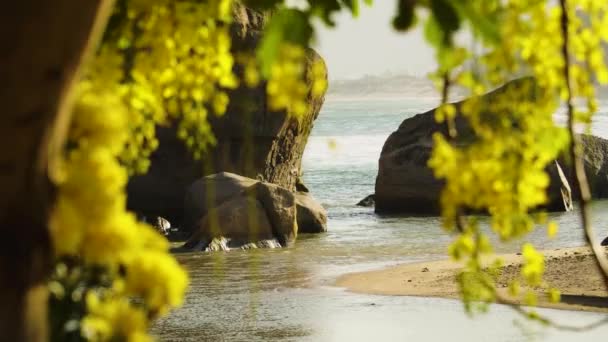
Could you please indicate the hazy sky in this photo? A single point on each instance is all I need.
(369, 45)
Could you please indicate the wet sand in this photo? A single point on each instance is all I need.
(571, 270)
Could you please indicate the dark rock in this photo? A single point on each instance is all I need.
(210, 192)
(162, 226)
(312, 217)
(239, 221)
(280, 206)
(251, 141)
(241, 210)
(595, 150)
(405, 184)
(368, 201)
(300, 186)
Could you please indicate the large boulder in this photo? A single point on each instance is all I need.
(405, 184)
(312, 217)
(251, 140)
(595, 150)
(210, 192)
(280, 206)
(228, 209)
(238, 221)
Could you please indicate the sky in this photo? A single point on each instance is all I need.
(368, 45)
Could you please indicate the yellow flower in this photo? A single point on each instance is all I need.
(114, 319)
(158, 279)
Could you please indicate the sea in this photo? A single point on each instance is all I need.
(289, 294)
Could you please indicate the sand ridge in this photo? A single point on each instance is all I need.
(571, 270)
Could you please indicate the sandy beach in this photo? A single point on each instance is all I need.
(571, 270)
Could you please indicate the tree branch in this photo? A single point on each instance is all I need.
(576, 156)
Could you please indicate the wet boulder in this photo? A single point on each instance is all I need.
(595, 151)
(406, 185)
(234, 223)
(312, 217)
(368, 201)
(240, 210)
(209, 192)
(251, 139)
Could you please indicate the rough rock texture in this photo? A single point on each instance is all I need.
(368, 201)
(251, 141)
(209, 192)
(280, 206)
(162, 226)
(240, 220)
(405, 184)
(596, 166)
(312, 217)
(241, 210)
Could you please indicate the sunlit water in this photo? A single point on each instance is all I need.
(287, 294)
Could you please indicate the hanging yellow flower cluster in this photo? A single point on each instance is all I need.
(177, 65)
(159, 60)
(500, 166)
(91, 226)
(287, 86)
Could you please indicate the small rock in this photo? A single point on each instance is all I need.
(368, 201)
(409, 280)
(426, 269)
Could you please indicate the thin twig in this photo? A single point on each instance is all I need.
(581, 185)
(544, 320)
(452, 133)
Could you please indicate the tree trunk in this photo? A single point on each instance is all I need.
(42, 46)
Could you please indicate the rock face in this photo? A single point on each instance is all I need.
(312, 217)
(405, 184)
(209, 192)
(251, 141)
(240, 210)
(596, 165)
(368, 201)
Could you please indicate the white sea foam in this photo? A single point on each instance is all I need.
(346, 151)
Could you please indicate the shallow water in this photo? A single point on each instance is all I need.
(286, 294)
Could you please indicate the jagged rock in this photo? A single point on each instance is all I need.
(241, 210)
(251, 140)
(162, 226)
(405, 184)
(312, 217)
(300, 186)
(239, 221)
(280, 206)
(368, 201)
(210, 192)
(595, 150)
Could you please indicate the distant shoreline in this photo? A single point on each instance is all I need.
(400, 97)
(571, 270)
(386, 97)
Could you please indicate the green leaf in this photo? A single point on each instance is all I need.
(286, 25)
(405, 17)
(324, 9)
(433, 32)
(484, 24)
(447, 19)
(353, 5)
